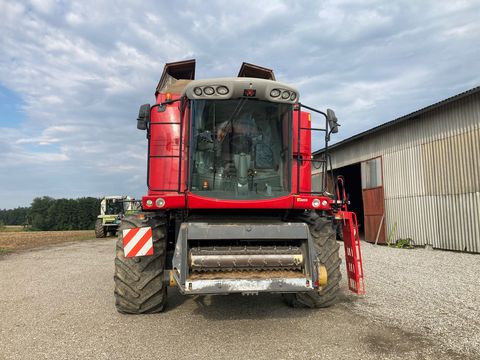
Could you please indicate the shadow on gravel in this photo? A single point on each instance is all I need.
(238, 307)
(398, 343)
(346, 297)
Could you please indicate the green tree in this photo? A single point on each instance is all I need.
(41, 213)
(17, 216)
(46, 213)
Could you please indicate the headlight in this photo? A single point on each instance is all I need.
(160, 202)
(222, 90)
(149, 202)
(285, 95)
(208, 90)
(197, 91)
(293, 96)
(275, 93)
(315, 203)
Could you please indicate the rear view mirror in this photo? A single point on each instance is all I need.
(143, 117)
(332, 121)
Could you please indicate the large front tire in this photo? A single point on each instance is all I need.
(327, 249)
(139, 281)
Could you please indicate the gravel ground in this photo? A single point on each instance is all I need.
(430, 292)
(57, 303)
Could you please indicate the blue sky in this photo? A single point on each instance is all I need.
(73, 74)
(11, 114)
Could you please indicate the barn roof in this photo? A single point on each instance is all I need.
(403, 118)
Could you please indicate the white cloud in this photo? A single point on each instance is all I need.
(11, 10)
(43, 6)
(74, 19)
(462, 31)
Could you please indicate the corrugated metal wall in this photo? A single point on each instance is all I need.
(431, 170)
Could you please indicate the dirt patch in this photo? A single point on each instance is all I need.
(24, 240)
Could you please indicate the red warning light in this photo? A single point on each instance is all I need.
(249, 92)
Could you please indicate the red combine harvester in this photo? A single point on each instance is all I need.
(230, 207)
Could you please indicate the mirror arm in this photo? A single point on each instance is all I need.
(327, 126)
(314, 110)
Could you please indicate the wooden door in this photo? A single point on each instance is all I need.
(373, 200)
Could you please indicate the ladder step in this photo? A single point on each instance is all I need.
(353, 254)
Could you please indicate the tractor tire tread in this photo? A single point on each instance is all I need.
(99, 229)
(139, 281)
(327, 249)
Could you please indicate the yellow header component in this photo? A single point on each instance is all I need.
(172, 281)
(322, 275)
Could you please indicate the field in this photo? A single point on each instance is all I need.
(14, 238)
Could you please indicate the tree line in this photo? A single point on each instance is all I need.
(46, 213)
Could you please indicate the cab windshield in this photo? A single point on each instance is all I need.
(114, 207)
(240, 149)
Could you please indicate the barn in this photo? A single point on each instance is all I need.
(416, 177)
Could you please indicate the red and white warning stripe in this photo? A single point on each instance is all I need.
(137, 242)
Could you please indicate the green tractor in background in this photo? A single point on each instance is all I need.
(112, 210)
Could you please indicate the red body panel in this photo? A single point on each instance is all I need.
(192, 201)
(199, 202)
(305, 153)
(165, 149)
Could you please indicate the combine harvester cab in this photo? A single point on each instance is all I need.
(230, 206)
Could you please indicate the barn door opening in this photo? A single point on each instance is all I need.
(353, 183)
(373, 200)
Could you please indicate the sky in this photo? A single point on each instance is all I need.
(73, 74)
